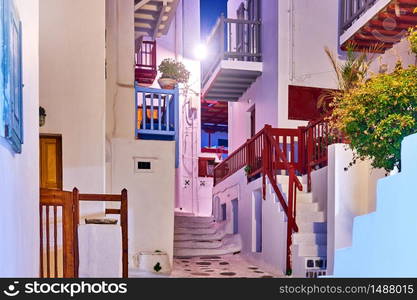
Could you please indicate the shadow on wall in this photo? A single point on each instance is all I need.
(385, 242)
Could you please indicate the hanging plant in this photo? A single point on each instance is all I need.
(172, 73)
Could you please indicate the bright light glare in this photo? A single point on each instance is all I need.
(201, 52)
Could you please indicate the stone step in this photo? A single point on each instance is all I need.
(310, 238)
(218, 235)
(194, 219)
(187, 224)
(316, 227)
(310, 217)
(212, 229)
(231, 244)
(307, 206)
(211, 244)
(309, 250)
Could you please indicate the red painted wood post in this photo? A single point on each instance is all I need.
(290, 218)
(124, 225)
(302, 150)
(75, 223)
(310, 149)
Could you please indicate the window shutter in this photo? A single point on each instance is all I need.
(12, 72)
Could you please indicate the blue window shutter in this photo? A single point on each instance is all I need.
(12, 71)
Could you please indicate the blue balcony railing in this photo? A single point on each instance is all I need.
(157, 115)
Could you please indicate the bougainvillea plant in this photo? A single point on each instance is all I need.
(412, 37)
(376, 115)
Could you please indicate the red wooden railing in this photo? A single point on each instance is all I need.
(318, 136)
(266, 154)
(145, 57)
(59, 220)
(292, 151)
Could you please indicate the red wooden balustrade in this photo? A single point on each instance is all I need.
(264, 154)
(145, 56)
(275, 150)
(59, 219)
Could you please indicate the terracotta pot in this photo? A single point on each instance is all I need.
(167, 83)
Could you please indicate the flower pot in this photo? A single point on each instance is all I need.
(167, 83)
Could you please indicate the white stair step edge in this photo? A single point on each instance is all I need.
(310, 238)
(195, 219)
(305, 216)
(210, 230)
(231, 244)
(198, 244)
(309, 250)
(185, 224)
(307, 206)
(219, 235)
(316, 227)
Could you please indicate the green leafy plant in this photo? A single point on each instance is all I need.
(173, 69)
(157, 267)
(377, 114)
(412, 37)
(350, 72)
(248, 169)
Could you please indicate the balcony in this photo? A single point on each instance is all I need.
(153, 17)
(375, 24)
(235, 59)
(145, 57)
(157, 114)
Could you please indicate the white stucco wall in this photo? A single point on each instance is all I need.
(19, 175)
(150, 194)
(351, 193)
(72, 87)
(384, 242)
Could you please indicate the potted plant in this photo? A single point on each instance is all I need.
(42, 116)
(172, 73)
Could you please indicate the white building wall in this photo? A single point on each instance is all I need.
(152, 196)
(19, 175)
(72, 89)
(384, 243)
(351, 192)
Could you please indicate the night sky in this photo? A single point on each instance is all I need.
(210, 10)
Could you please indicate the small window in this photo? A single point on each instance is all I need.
(11, 110)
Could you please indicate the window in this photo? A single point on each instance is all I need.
(11, 110)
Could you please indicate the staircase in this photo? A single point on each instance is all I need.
(309, 247)
(203, 236)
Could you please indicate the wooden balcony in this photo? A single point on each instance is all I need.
(235, 59)
(145, 68)
(154, 17)
(377, 24)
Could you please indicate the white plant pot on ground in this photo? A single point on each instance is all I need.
(154, 262)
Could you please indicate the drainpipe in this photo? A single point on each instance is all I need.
(291, 31)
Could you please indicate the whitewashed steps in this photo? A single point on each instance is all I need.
(310, 238)
(219, 235)
(316, 227)
(198, 244)
(194, 219)
(309, 250)
(230, 244)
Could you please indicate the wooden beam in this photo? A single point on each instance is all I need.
(141, 4)
(159, 21)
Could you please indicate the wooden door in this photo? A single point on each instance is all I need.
(51, 162)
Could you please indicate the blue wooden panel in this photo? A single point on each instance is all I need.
(12, 76)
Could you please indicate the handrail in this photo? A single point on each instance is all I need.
(351, 10)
